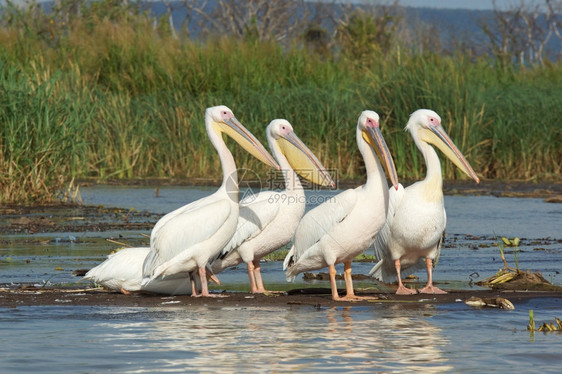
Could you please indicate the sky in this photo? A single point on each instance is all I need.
(464, 4)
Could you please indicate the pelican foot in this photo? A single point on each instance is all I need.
(405, 291)
(432, 290)
(214, 295)
(356, 298)
(267, 292)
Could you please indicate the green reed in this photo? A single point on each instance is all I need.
(104, 98)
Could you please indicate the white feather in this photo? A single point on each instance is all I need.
(123, 271)
(185, 229)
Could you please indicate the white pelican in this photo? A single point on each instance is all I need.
(122, 271)
(269, 219)
(344, 226)
(185, 239)
(415, 223)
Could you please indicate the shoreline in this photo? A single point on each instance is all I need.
(497, 188)
(304, 297)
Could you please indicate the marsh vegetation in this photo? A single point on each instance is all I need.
(103, 90)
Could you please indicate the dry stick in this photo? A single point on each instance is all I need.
(119, 243)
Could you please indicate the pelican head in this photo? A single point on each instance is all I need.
(301, 159)
(369, 125)
(223, 121)
(425, 126)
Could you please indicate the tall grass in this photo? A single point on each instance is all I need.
(102, 98)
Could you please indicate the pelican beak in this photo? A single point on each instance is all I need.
(214, 278)
(211, 276)
(303, 161)
(374, 138)
(233, 128)
(437, 136)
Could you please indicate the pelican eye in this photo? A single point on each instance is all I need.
(434, 121)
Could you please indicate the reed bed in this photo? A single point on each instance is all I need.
(99, 98)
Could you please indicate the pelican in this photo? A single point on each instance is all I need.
(269, 219)
(187, 238)
(122, 271)
(416, 219)
(344, 226)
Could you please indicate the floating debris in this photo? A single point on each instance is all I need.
(545, 326)
(80, 272)
(509, 278)
(511, 243)
(553, 199)
(497, 302)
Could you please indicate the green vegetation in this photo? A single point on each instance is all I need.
(105, 95)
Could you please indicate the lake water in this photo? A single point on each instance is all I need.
(384, 337)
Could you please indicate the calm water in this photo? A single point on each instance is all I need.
(398, 337)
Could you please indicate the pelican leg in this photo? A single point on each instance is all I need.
(125, 292)
(350, 293)
(257, 275)
(401, 289)
(204, 286)
(348, 280)
(252, 277)
(194, 292)
(257, 286)
(430, 288)
(332, 271)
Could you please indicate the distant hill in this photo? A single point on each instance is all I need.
(454, 26)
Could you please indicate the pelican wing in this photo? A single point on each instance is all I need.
(381, 243)
(256, 213)
(320, 220)
(183, 210)
(184, 230)
(384, 269)
(438, 251)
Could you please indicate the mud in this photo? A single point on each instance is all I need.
(306, 297)
(15, 219)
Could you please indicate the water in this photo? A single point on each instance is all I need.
(384, 337)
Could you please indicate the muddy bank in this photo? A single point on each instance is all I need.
(18, 219)
(307, 297)
(15, 219)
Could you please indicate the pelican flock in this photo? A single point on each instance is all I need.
(268, 220)
(415, 224)
(405, 225)
(343, 227)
